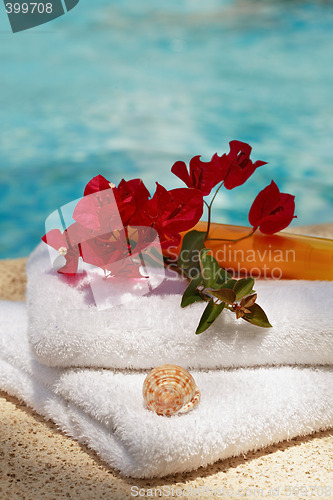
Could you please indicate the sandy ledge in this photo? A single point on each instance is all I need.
(38, 461)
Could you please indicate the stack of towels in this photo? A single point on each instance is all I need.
(84, 369)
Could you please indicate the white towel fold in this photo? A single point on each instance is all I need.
(240, 410)
(66, 329)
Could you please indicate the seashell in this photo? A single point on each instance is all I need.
(170, 389)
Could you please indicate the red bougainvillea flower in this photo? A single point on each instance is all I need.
(101, 251)
(101, 234)
(98, 183)
(99, 212)
(110, 253)
(67, 244)
(237, 164)
(133, 188)
(118, 252)
(202, 175)
(272, 211)
(108, 208)
(132, 195)
(171, 212)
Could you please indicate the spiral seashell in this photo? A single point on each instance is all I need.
(170, 389)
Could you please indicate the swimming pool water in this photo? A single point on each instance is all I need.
(126, 88)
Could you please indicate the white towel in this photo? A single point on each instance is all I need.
(240, 410)
(66, 329)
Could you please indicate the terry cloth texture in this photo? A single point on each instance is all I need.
(67, 330)
(240, 410)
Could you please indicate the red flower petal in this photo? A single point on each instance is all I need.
(131, 196)
(238, 146)
(99, 212)
(55, 239)
(71, 264)
(203, 175)
(187, 209)
(170, 212)
(264, 203)
(133, 188)
(98, 183)
(240, 167)
(180, 170)
(272, 211)
(86, 213)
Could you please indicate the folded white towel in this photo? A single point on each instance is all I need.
(66, 329)
(240, 410)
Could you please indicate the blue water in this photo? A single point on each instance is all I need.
(126, 88)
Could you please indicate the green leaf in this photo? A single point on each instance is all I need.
(152, 257)
(191, 293)
(249, 301)
(210, 314)
(189, 256)
(243, 287)
(225, 294)
(209, 268)
(228, 284)
(213, 275)
(222, 277)
(257, 317)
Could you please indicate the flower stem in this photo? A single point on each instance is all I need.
(208, 223)
(218, 189)
(128, 241)
(210, 211)
(237, 239)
